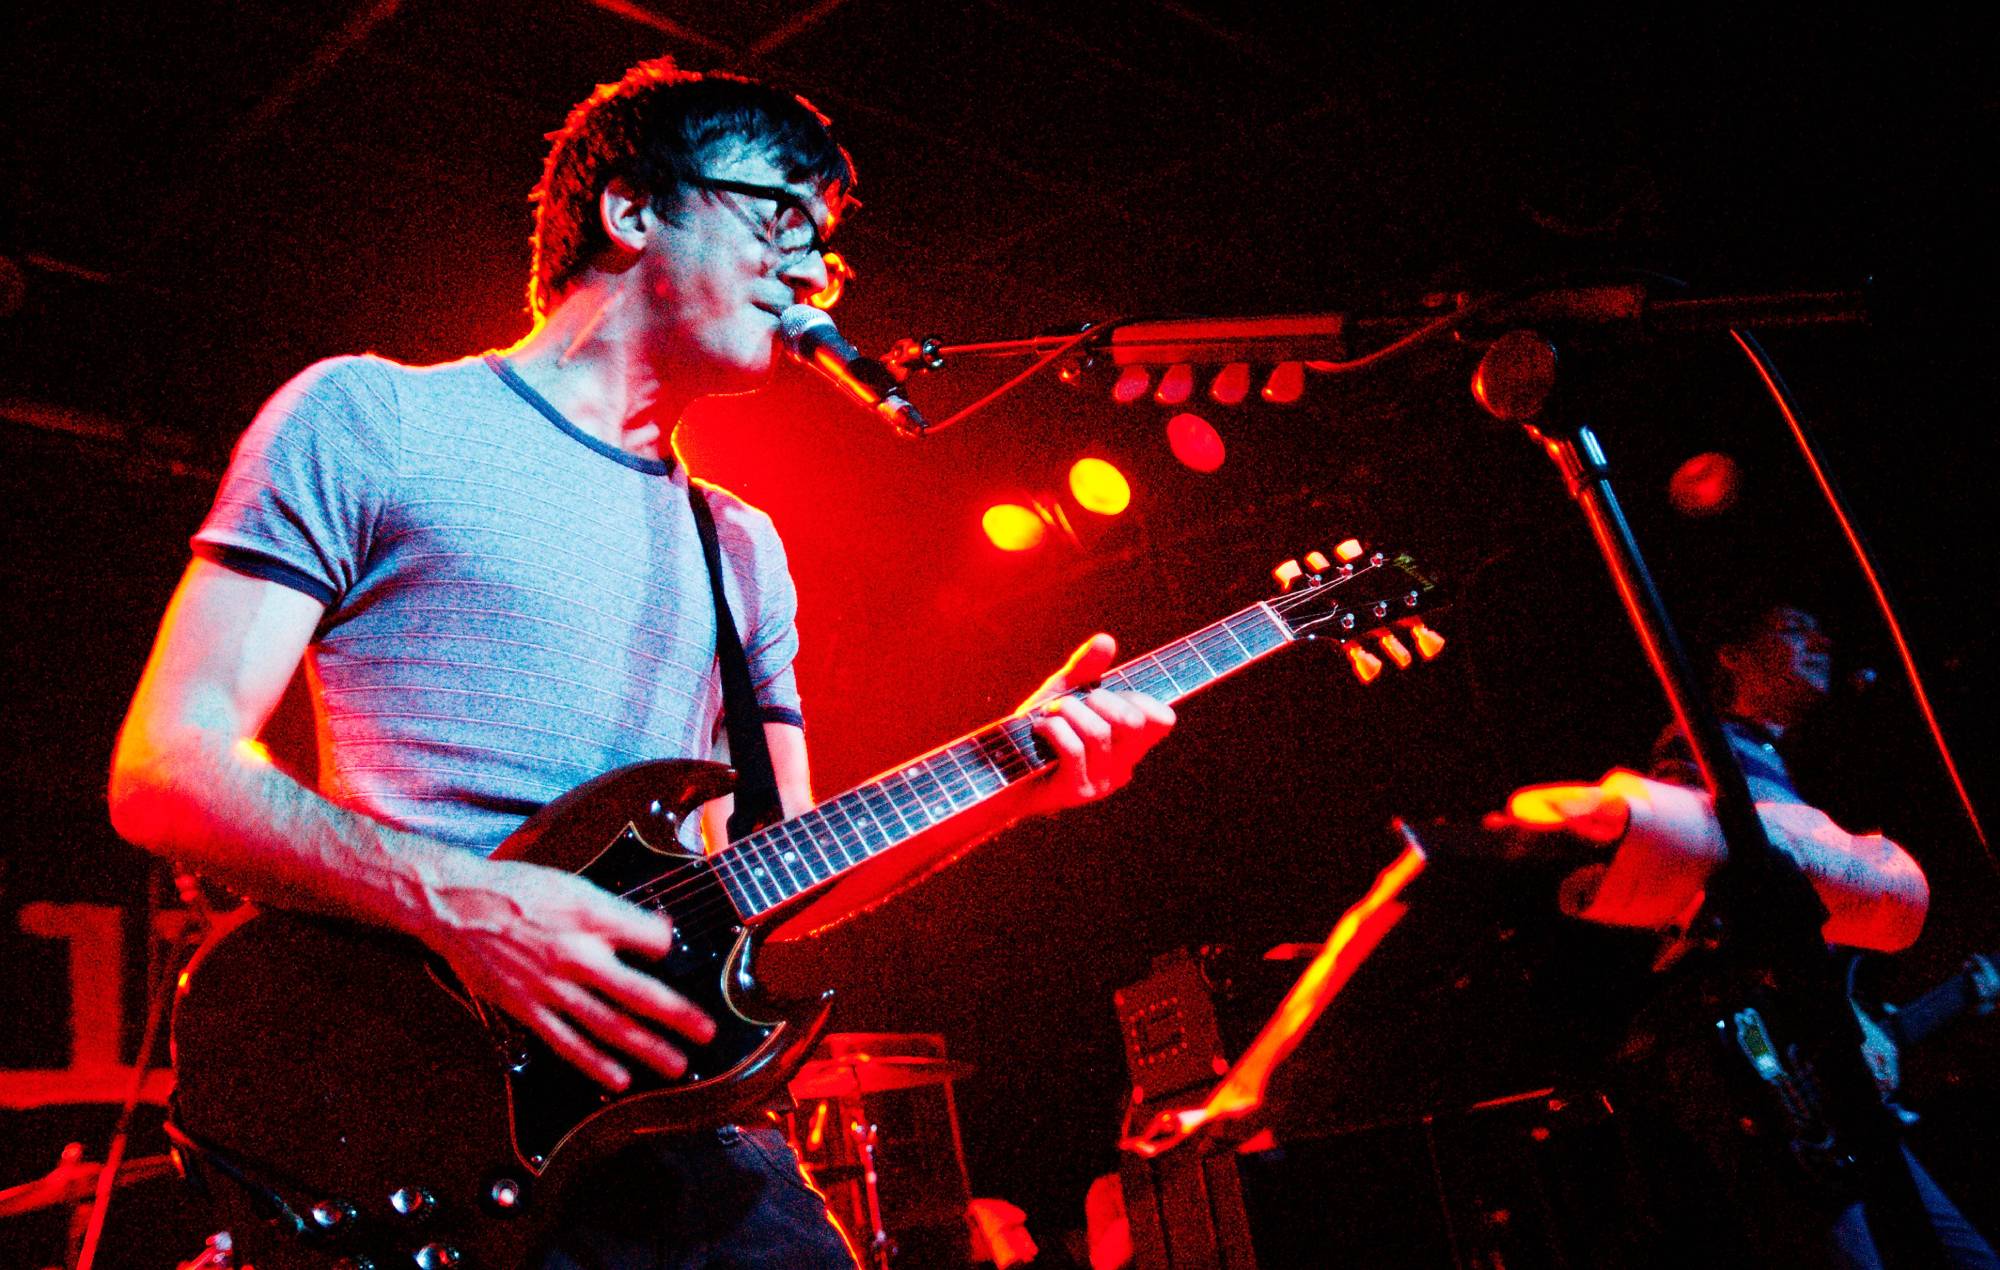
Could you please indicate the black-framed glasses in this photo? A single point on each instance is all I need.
(791, 230)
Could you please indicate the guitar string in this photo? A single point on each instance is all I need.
(730, 864)
(732, 867)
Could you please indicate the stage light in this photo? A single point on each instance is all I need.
(1012, 527)
(1194, 442)
(1705, 485)
(1232, 384)
(1287, 382)
(1099, 487)
(1131, 385)
(1176, 386)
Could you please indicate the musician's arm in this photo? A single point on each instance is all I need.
(186, 784)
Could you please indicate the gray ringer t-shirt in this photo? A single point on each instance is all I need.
(513, 606)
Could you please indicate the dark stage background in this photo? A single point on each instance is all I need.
(200, 198)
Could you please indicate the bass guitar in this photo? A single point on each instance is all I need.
(347, 1103)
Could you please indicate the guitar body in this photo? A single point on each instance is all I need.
(344, 1074)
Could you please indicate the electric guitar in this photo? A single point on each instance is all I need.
(348, 1103)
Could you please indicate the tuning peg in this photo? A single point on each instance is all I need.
(1429, 642)
(1287, 573)
(1366, 664)
(1317, 561)
(1349, 551)
(1395, 648)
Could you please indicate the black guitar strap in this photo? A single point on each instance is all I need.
(756, 781)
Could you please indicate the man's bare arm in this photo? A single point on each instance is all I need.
(538, 942)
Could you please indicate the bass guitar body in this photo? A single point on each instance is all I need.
(345, 1102)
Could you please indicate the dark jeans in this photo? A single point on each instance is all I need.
(729, 1200)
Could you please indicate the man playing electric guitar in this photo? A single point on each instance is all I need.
(492, 571)
(1731, 1196)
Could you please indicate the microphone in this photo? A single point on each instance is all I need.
(812, 339)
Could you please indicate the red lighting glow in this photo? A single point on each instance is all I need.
(1012, 527)
(1176, 386)
(1232, 385)
(1194, 442)
(1286, 384)
(1705, 485)
(1099, 487)
(1131, 385)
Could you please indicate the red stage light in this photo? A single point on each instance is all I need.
(1194, 442)
(1176, 386)
(1286, 384)
(1131, 385)
(1232, 385)
(1705, 485)
(1099, 487)
(1012, 527)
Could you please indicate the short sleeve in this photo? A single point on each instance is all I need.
(299, 502)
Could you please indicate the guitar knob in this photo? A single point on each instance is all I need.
(413, 1202)
(437, 1257)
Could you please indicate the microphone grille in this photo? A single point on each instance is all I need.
(799, 321)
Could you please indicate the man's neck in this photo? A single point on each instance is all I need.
(587, 358)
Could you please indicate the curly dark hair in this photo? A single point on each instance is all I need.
(653, 127)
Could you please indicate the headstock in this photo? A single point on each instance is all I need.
(1359, 598)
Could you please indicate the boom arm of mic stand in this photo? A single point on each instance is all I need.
(1325, 336)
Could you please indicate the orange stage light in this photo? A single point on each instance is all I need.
(1194, 442)
(1012, 527)
(1099, 487)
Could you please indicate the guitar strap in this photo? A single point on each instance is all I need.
(756, 781)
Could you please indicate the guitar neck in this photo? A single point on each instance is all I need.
(775, 865)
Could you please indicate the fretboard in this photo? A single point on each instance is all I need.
(777, 864)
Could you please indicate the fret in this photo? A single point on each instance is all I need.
(783, 857)
(951, 778)
(870, 835)
(981, 772)
(929, 790)
(882, 809)
(1184, 664)
(1030, 755)
(733, 884)
(1268, 632)
(820, 863)
(750, 852)
(909, 802)
(1148, 676)
(1219, 650)
(834, 847)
